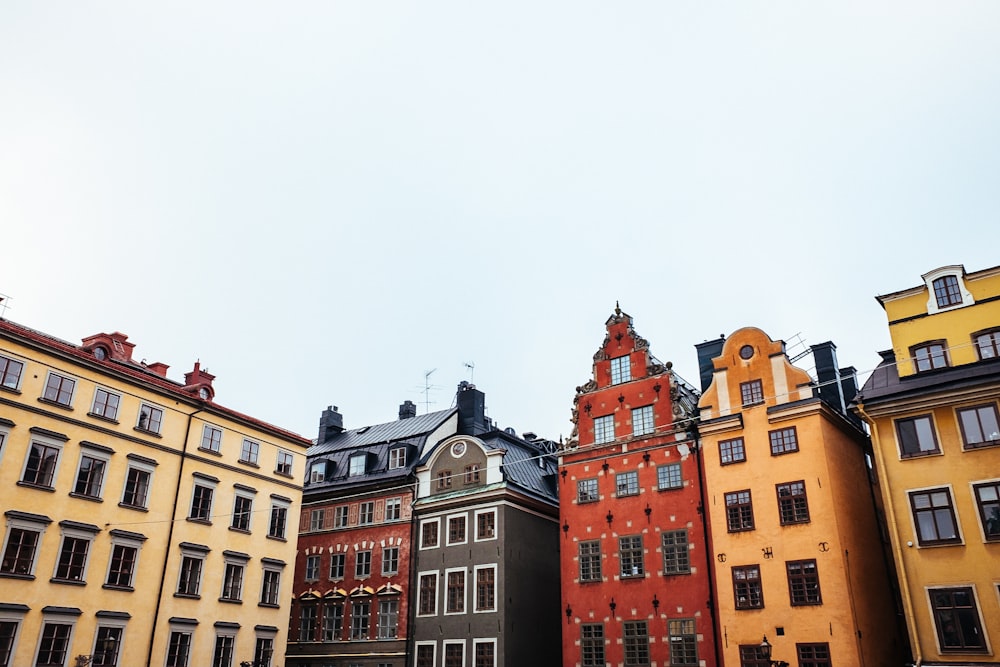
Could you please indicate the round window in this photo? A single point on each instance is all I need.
(458, 449)
(746, 351)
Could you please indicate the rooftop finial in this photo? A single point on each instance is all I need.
(618, 310)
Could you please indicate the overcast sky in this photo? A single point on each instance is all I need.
(324, 201)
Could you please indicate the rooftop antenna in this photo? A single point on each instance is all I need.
(3, 305)
(471, 365)
(426, 391)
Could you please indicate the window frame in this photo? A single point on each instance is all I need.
(331, 626)
(458, 529)
(284, 463)
(739, 506)
(12, 565)
(587, 485)
(783, 440)
(317, 519)
(142, 483)
(455, 591)
(179, 645)
(310, 573)
(191, 570)
(589, 560)
(947, 293)
(338, 566)
(453, 660)
(393, 509)
(397, 458)
(486, 525)
(904, 453)
(991, 343)
(357, 464)
(361, 619)
(425, 533)
(105, 402)
(202, 498)
(635, 643)
(124, 542)
(483, 659)
(54, 646)
(388, 619)
(108, 638)
(341, 516)
(683, 631)
(676, 553)
(94, 455)
(390, 560)
(933, 510)
(75, 548)
(747, 586)
(732, 451)
(153, 421)
(990, 524)
(487, 588)
(643, 421)
(6, 373)
(813, 654)
(45, 474)
(973, 613)
(277, 526)
(621, 369)
(801, 581)
(751, 393)
(604, 429)
(669, 477)
(242, 518)
(627, 484)
(592, 653)
(270, 587)
(213, 436)
(793, 505)
(366, 513)
(55, 394)
(363, 564)
(233, 576)
(427, 597)
(249, 452)
(631, 555)
(929, 355)
(977, 410)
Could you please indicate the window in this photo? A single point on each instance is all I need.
(454, 653)
(122, 567)
(73, 552)
(189, 582)
(988, 502)
(947, 292)
(486, 588)
(270, 587)
(427, 604)
(137, 484)
(586, 491)
(669, 477)
(10, 373)
(472, 474)
(24, 534)
(316, 518)
(748, 593)
(53, 645)
(279, 517)
(486, 523)
(393, 509)
(90, 475)
(739, 511)
(263, 651)
(105, 404)
(211, 438)
(604, 429)
(337, 562)
(8, 633)
(683, 642)
(987, 344)
(752, 392)
(792, 504)
(242, 511)
(312, 567)
(429, 534)
(956, 617)
(621, 370)
(456, 530)
(590, 560)
(676, 553)
(283, 463)
(630, 555)
(40, 468)
(340, 517)
(592, 645)
(732, 451)
(232, 583)
(397, 458)
(388, 619)
(179, 649)
(636, 640)
(390, 560)
(813, 655)
(444, 479)
(363, 564)
(929, 356)
(366, 513)
(426, 654)
(485, 651)
(360, 619)
(934, 516)
(916, 436)
(201, 503)
(803, 582)
(783, 441)
(222, 656)
(59, 389)
(455, 603)
(333, 621)
(751, 656)
(150, 418)
(979, 426)
(358, 463)
(627, 483)
(642, 420)
(249, 451)
(107, 645)
(307, 623)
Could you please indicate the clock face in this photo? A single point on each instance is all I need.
(458, 449)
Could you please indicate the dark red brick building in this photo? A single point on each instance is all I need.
(635, 567)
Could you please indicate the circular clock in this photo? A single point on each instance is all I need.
(458, 449)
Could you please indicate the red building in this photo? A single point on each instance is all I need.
(636, 583)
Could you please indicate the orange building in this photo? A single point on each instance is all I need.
(795, 535)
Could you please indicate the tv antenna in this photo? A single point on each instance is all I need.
(426, 391)
(471, 365)
(4, 299)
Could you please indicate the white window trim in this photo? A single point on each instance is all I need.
(465, 591)
(246, 494)
(60, 619)
(954, 508)
(398, 500)
(241, 560)
(204, 432)
(72, 395)
(602, 419)
(151, 406)
(452, 642)
(24, 523)
(206, 483)
(75, 533)
(144, 467)
(48, 442)
(287, 506)
(94, 453)
(16, 617)
(485, 640)
(477, 513)
(4, 435)
(277, 569)
(363, 457)
(464, 516)
(184, 629)
(119, 538)
(384, 550)
(954, 270)
(401, 464)
(283, 453)
(195, 554)
(437, 591)
(20, 378)
(436, 520)
(252, 460)
(319, 562)
(475, 588)
(432, 644)
(979, 611)
(93, 403)
(120, 624)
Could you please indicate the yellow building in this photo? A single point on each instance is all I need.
(932, 409)
(798, 556)
(143, 523)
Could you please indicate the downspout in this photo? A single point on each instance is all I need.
(911, 627)
(411, 590)
(170, 537)
(708, 556)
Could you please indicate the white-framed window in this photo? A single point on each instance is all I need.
(317, 472)
(357, 464)
(59, 389)
(41, 466)
(264, 645)
(642, 420)
(454, 652)
(457, 529)
(454, 595)
(427, 597)
(284, 462)
(397, 458)
(106, 650)
(429, 529)
(179, 644)
(150, 418)
(56, 637)
(21, 542)
(390, 560)
(484, 652)
(11, 619)
(192, 567)
(124, 561)
(106, 404)
(486, 524)
(486, 588)
(138, 482)
(946, 289)
(211, 438)
(957, 619)
(360, 618)
(232, 578)
(202, 494)
(340, 515)
(242, 507)
(10, 373)
(366, 513)
(225, 644)
(249, 451)
(604, 429)
(393, 509)
(90, 471)
(279, 517)
(425, 654)
(621, 370)
(270, 586)
(317, 518)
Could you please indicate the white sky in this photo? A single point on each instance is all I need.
(323, 201)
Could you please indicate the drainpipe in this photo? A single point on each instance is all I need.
(883, 472)
(170, 537)
(708, 555)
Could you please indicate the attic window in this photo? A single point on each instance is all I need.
(397, 458)
(357, 464)
(946, 289)
(318, 472)
(100, 353)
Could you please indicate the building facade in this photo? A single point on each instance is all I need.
(635, 569)
(932, 407)
(113, 471)
(799, 556)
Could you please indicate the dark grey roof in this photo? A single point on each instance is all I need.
(885, 384)
(521, 465)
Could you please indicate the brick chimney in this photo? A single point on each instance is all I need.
(331, 423)
(407, 410)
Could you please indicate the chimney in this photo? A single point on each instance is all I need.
(407, 410)
(828, 376)
(471, 410)
(331, 423)
(158, 367)
(197, 381)
(707, 351)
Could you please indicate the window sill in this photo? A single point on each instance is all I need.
(115, 587)
(239, 530)
(204, 522)
(784, 451)
(205, 450)
(919, 455)
(628, 577)
(269, 605)
(68, 582)
(30, 485)
(147, 432)
(55, 404)
(187, 596)
(230, 601)
(276, 538)
(137, 508)
(940, 543)
(93, 499)
(250, 464)
(280, 473)
(111, 420)
(11, 390)
(972, 446)
(16, 575)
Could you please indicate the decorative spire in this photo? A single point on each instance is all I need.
(618, 310)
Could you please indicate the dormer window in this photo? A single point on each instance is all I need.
(317, 473)
(621, 370)
(357, 464)
(946, 289)
(928, 356)
(397, 458)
